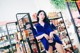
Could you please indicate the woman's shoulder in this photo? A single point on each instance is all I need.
(37, 24)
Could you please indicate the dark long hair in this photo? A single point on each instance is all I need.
(46, 20)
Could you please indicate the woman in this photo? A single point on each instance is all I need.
(43, 31)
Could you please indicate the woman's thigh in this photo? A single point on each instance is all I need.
(59, 48)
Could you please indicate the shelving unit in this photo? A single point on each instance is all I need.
(72, 19)
(77, 25)
(62, 32)
(11, 30)
(25, 25)
(5, 43)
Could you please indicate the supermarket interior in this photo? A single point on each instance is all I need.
(18, 17)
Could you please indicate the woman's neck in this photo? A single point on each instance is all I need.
(41, 22)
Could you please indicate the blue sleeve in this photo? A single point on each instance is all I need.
(40, 33)
(34, 32)
(54, 27)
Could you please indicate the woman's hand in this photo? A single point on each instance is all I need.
(51, 35)
(46, 36)
(41, 36)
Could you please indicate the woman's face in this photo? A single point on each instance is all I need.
(41, 16)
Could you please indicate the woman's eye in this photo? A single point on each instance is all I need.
(41, 14)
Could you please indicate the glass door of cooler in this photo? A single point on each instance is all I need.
(76, 22)
(4, 41)
(25, 26)
(12, 35)
(75, 18)
(62, 32)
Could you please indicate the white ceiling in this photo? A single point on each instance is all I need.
(9, 8)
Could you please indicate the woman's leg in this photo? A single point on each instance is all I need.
(50, 50)
(59, 48)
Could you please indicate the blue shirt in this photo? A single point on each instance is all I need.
(45, 29)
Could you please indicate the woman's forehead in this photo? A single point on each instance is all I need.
(41, 12)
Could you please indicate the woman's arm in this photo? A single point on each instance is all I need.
(54, 30)
(41, 36)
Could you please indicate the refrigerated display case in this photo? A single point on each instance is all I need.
(25, 25)
(74, 18)
(16, 38)
(63, 34)
(77, 25)
(11, 30)
(4, 41)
